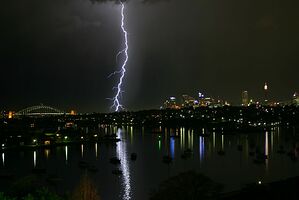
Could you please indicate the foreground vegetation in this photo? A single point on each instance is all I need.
(24, 190)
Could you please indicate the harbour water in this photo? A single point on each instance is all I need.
(225, 158)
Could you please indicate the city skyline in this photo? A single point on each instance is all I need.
(60, 53)
(172, 102)
(246, 96)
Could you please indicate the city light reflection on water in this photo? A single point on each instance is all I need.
(267, 149)
(201, 148)
(96, 149)
(172, 148)
(3, 159)
(66, 153)
(152, 146)
(160, 144)
(214, 140)
(131, 134)
(47, 153)
(82, 150)
(34, 158)
(182, 140)
(122, 154)
(272, 139)
(222, 142)
(190, 139)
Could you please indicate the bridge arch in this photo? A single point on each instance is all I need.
(40, 110)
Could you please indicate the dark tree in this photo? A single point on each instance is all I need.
(188, 185)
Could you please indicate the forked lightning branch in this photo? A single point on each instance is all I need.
(117, 106)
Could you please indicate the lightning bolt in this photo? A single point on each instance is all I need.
(116, 100)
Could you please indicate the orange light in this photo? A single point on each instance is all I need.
(10, 115)
(47, 142)
(73, 112)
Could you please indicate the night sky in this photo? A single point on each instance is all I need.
(60, 52)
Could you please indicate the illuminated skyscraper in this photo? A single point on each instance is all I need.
(266, 93)
(245, 98)
(201, 95)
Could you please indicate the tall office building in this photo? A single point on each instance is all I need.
(266, 93)
(245, 98)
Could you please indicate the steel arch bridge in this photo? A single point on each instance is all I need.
(39, 110)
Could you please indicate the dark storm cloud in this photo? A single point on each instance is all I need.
(52, 50)
(118, 1)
